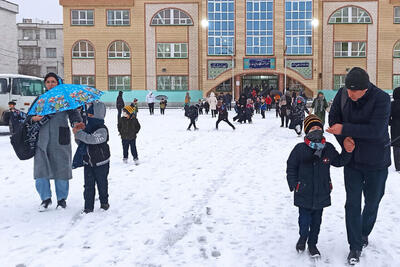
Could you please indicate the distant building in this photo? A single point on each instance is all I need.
(40, 48)
(8, 43)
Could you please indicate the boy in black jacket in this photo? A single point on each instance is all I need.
(308, 176)
(96, 160)
(128, 128)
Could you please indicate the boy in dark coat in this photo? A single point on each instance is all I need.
(395, 127)
(222, 114)
(192, 113)
(308, 176)
(128, 128)
(96, 160)
(206, 107)
(13, 116)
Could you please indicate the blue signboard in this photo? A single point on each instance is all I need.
(258, 63)
(219, 65)
(300, 65)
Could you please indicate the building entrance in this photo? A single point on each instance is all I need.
(260, 83)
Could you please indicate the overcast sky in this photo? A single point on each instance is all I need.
(47, 10)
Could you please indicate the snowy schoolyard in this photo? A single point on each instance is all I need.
(198, 198)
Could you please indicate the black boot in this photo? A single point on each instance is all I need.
(62, 204)
(105, 206)
(314, 252)
(354, 257)
(301, 244)
(45, 205)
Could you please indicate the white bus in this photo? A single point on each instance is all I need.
(21, 89)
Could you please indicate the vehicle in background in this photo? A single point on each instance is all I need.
(21, 89)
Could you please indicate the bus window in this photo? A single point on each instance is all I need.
(3, 86)
(27, 87)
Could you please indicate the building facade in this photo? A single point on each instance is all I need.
(40, 48)
(229, 46)
(8, 43)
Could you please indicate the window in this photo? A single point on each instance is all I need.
(396, 52)
(82, 17)
(350, 15)
(119, 83)
(119, 49)
(82, 49)
(3, 86)
(30, 34)
(172, 82)
(31, 53)
(51, 34)
(259, 27)
(118, 17)
(298, 27)
(350, 49)
(397, 14)
(221, 28)
(51, 69)
(338, 81)
(84, 80)
(51, 52)
(27, 87)
(396, 81)
(172, 50)
(171, 16)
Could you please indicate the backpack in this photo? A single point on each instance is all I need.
(20, 140)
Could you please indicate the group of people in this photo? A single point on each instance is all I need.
(359, 118)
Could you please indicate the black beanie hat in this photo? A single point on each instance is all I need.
(311, 121)
(357, 79)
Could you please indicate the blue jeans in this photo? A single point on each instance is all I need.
(309, 224)
(125, 147)
(372, 185)
(43, 188)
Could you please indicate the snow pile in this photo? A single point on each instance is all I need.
(204, 198)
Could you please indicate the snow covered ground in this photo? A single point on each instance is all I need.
(204, 198)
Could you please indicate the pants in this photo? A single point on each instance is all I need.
(269, 107)
(229, 105)
(95, 175)
(396, 157)
(225, 120)
(119, 113)
(284, 119)
(277, 111)
(263, 114)
(192, 122)
(207, 110)
(213, 113)
(125, 147)
(162, 111)
(151, 108)
(309, 224)
(372, 185)
(43, 188)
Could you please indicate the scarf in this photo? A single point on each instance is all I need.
(317, 146)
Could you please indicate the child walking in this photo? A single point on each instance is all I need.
(93, 141)
(128, 128)
(308, 175)
(222, 115)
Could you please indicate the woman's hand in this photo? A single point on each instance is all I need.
(37, 118)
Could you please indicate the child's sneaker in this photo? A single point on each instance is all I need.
(125, 160)
(62, 204)
(105, 206)
(314, 252)
(45, 205)
(301, 245)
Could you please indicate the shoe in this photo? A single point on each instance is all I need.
(301, 245)
(105, 206)
(62, 204)
(233, 128)
(45, 205)
(364, 241)
(216, 128)
(136, 161)
(87, 211)
(188, 129)
(314, 252)
(354, 257)
(281, 125)
(196, 129)
(125, 160)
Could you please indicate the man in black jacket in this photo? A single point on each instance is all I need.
(360, 113)
(120, 103)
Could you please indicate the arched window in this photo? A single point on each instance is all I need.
(350, 14)
(83, 49)
(171, 16)
(396, 51)
(119, 49)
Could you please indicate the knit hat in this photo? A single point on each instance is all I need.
(311, 121)
(357, 79)
(128, 109)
